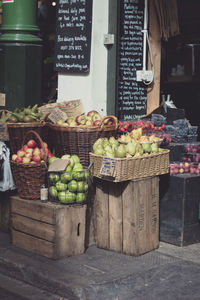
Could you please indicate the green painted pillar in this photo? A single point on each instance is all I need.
(20, 54)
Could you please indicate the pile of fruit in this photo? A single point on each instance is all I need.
(184, 167)
(70, 186)
(31, 153)
(113, 148)
(136, 135)
(92, 118)
(24, 115)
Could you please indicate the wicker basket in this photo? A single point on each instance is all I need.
(29, 177)
(17, 132)
(132, 168)
(79, 140)
(4, 136)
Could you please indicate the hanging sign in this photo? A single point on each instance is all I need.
(7, 1)
(73, 36)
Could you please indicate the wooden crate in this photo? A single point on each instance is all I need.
(127, 215)
(48, 229)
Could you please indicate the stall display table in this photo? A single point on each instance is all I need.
(48, 229)
(179, 205)
(127, 215)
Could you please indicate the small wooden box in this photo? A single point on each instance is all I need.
(48, 229)
(127, 215)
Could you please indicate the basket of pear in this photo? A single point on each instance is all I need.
(22, 120)
(133, 160)
(69, 186)
(136, 136)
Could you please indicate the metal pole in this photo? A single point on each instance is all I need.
(145, 34)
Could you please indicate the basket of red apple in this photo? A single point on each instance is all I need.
(76, 135)
(29, 166)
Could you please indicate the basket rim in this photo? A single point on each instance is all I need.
(80, 128)
(28, 124)
(131, 158)
(28, 164)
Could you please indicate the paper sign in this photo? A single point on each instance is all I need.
(59, 165)
(57, 114)
(2, 99)
(108, 166)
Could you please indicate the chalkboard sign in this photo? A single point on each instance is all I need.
(132, 96)
(73, 35)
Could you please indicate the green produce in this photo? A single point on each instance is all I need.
(54, 178)
(80, 197)
(72, 186)
(66, 177)
(53, 191)
(60, 186)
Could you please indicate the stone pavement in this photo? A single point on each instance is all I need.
(169, 272)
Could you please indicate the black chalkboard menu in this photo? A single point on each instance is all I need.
(73, 35)
(132, 96)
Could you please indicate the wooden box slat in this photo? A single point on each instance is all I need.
(127, 215)
(33, 244)
(37, 226)
(33, 227)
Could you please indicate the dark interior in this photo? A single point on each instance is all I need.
(180, 68)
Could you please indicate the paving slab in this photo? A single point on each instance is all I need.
(98, 274)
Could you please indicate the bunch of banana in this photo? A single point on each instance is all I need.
(25, 115)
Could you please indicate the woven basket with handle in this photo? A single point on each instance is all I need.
(31, 176)
(17, 132)
(79, 140)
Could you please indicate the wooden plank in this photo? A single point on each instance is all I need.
(115, 216)
(33, 244)
(129, 219)
(34, 209)
(153, 219)
(153, 94)
(70, 230)
(33, 227)
(102, 216)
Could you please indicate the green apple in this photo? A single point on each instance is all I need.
(70, 197)
(54, 177)
(86, 175)
(85, 189)
(72, 186)
(51, 159)
(69, 168)
(61, 196)
(80, 197)
(75, 158)
(66, 177)
(78, 167)
(60, 186)
(80, 186)
(53, 192)
(65, 156)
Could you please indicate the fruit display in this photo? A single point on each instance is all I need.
(71, 185)
(184, 167)
(92, 118)
(136, 135)
(22, 115)
(111, 147)
(30, 153)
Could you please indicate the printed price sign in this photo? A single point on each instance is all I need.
(57, 114)
(108, 166)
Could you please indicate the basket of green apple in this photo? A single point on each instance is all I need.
(70, 186)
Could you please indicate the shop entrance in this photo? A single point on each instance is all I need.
(180, 67)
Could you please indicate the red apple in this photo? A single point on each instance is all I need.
(20, 153)
(187, 165)
(181, 165)
(92, 112)
(36, 158)
(80, 119)
(19, 159)
(14, 156)
(97, 123)
(96, 117)
(31, 144)
(50, 154)
(36, 151)
(29, 155)
(197, 171)
(26, 160)
(25, 147)
(29, 150)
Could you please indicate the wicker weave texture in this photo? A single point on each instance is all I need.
(17, 132)
(133, 168)
(28, 179)
(77, 140)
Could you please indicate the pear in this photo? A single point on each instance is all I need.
(131, 148)
(99, 150)
(120, 151)
(154, 148)
(146, 147)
